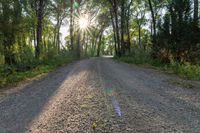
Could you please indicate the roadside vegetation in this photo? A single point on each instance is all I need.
(12, 74)
(185, 70)
(164, 33)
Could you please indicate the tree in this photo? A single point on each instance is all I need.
(139, 19)
(196, 11)
(39, 7)
(71, 24)
(103, 21)
(114, 7)
(59, 8)
(11, 17)
(154, 28)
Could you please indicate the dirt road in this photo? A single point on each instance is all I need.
(115, 97)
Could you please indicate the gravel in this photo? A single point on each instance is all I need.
(116, 97)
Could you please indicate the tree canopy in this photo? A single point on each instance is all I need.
(31, 30)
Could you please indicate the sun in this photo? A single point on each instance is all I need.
(83, 23)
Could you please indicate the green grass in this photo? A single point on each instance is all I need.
(11, 75)
(185, 70)
(183, 84)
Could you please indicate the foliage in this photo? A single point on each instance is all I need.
(15, 73)
(167, 30)
(173, 38)
(141, 57)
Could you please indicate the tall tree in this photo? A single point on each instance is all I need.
(39, 6)
(10, 22)
(196, 11)
(71, 24)
(154, 27)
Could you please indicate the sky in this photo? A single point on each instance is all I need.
(65, 31)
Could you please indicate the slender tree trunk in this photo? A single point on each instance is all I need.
(139, 31)
(122, 28)
(196, 11)
(117, 27)
(58, 39)
(114, 36)
(154, 29)
(151, 29)
(39, 27)
(79, 37)
(71, 24)
(54, 37)
(34, 38)
(86, 45)
(99, 44)
(128, 32)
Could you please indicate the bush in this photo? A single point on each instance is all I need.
(185, 70)
(138, 56)
(13, 74)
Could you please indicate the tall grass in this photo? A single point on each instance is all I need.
(141, 57)
(10, 75)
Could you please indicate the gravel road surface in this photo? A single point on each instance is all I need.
(100, 95)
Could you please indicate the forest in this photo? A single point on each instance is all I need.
(36, 36)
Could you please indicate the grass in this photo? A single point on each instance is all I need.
(183, 84)
(11, 75)
(185, 70)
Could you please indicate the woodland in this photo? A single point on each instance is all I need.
(36, 36)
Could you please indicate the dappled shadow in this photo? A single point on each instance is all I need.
(20, 108)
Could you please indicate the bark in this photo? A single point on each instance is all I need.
(128, 31)
(59, 21)
(122, 28)
(114, 36)
(79, 37)
(117, 27)
(196, 11)
(139, 30)
(86, 45)
(71, 25)
(40, 8)
(154, 29)
(99, 44)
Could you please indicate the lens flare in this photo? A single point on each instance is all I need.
(111, 93)
(83, 23)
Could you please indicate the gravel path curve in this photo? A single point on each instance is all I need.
(117, 97)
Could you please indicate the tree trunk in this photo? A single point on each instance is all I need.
(99, 44)
(114, 36)
(86, 45)
(196, 11)
(122, 28)
(58, 39)
(79, 36)
(139, 30)
(39, 27)
(117, 28)
(154, 29)
(128, 32)
(71, 25)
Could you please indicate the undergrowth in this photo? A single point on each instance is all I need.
(185, 70)
(10, 75)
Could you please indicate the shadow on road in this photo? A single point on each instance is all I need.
(20, 108)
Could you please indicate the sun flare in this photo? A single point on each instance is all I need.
(83, 23)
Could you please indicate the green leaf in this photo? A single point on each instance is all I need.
(75, 5)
